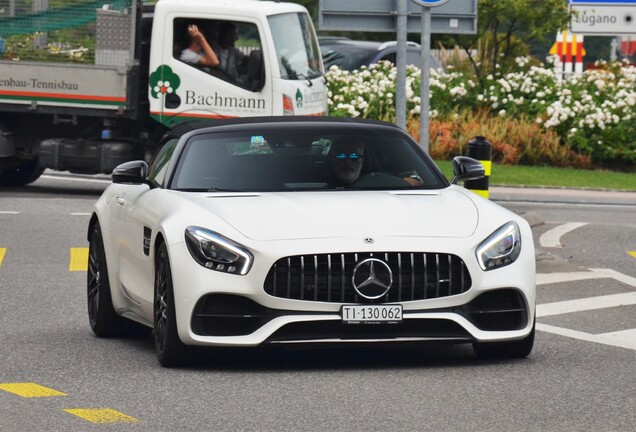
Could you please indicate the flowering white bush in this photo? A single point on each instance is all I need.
(594, 113)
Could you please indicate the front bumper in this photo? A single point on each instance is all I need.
(222, 315)
(218, 309)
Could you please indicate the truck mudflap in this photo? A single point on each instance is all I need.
(86, 156)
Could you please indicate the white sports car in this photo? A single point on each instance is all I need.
(306, 230)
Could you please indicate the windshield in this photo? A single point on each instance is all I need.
(298, 158)
(296, 46)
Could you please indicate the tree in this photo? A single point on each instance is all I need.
(504, 26)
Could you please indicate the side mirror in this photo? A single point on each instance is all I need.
(133, 172)
(467, 168)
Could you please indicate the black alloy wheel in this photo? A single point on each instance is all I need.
(101, 315)
(171, 352)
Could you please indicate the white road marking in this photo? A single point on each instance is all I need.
(552, 238)
(9, 212)
(78, 179)
(623, 339)
(552, 278)
(80, 214)
(617, 275)
(623, 335)
(586, 304)
(598, 273)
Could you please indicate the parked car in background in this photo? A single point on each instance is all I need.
(351, 54)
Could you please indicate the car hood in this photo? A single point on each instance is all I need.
(310, 215)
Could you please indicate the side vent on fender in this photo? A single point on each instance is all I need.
(147, 236)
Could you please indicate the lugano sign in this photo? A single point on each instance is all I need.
(603, 17)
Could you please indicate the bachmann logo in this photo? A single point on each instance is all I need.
(164, 84)
(220, 101)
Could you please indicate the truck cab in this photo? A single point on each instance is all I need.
(275, 62)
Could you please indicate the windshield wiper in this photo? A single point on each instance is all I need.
(205, 190)
(215, 189)
(296, 76)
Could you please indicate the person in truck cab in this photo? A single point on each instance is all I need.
(198, 52)
(233, 61)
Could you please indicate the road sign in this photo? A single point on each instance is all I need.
(452, 17)
(603, 17)
(429, 3)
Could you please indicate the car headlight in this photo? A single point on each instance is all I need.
(216, 252)
(501, 248)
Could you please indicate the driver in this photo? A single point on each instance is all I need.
(347, 160)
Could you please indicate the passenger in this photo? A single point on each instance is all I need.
(232, 61)
(199, 52)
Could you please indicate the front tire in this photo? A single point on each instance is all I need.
(505, 350)
(101, 314)
(171, 352)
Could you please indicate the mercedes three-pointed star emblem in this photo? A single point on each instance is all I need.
(372, 278)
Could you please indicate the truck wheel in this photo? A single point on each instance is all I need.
(27, 173)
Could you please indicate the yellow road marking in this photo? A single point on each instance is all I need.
(102, 415)
(3, 251)
(632, 253)
(30, 390)
(79, 259)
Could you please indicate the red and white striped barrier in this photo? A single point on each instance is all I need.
(569, 48)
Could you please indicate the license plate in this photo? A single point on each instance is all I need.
(371, 314)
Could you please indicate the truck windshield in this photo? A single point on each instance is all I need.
(296, 46)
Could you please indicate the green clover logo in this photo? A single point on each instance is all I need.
(163, 81)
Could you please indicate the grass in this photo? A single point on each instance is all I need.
(534, 176)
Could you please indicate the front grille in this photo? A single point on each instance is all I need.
(327, 277)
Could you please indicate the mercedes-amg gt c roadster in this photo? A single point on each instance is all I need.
(306, 231)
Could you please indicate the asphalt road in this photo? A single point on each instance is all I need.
(56, 376)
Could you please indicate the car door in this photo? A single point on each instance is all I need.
(134, 268)
(132, 227)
